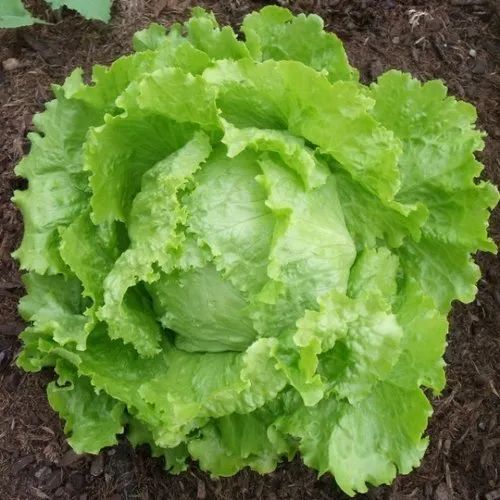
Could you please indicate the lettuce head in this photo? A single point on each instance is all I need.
(237, 252)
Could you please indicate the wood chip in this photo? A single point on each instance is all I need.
(69, 458)
(11, 329)
(158, 6)
(493, 495)
(97, 466)
(22, 463)
(465, 3)
(55, 480)
(480, 67)
(11, 64)
(59, 492)
(442, 492)
(201, 494)
(39, 493)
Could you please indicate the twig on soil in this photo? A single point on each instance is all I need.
(464, 3)
(10, 285)
(438, 48)
(493, 389)
(11, 329)
(415, 16)
(448, 476)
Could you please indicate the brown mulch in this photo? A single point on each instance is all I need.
(457, 41)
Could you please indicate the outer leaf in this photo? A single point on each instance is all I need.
(371, 219)
(230, 443)
(172, 49)
(34, 357)
(366, 443)
(156, 94)
(118, 370)
(175, 392)
(109, 82)
(275, 33)
(211, 385)
(55, 304)
(423, 344)
(438, 168)
(204, 33)
(150, 38)
(92, 420)
(91, 9)
(175, 458)
(57, 190)
(13, 14)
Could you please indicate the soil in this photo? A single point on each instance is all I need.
(457, 41)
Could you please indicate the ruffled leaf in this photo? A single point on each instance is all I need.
(92, 420)
(275, 33)
(369, 442)
(438, 168)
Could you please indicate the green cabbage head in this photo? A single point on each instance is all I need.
(237, 252)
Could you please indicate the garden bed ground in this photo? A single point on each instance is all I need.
(457, 41)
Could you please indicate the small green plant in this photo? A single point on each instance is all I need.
(13, 14)
(238, 252)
